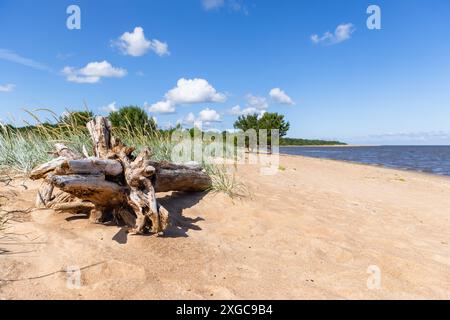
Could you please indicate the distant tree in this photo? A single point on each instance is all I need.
(271, 121)
(247, 122)
(132, 118)
(267, 121)
(76, 118)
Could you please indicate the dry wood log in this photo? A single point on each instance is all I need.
(181, 179)
(169, 177)
(114, 183)
(63, 151)
(44, 195)
(93, 166)
(99, 129)
(91, 188)
(41, 171)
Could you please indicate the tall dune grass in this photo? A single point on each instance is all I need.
(22, 149)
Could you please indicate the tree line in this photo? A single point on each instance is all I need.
(136, 120)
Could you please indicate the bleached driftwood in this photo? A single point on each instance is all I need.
(114, 184)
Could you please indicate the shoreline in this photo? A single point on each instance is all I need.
(325, 146)
(370, 165)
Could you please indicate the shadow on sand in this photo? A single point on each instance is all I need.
(175, 204)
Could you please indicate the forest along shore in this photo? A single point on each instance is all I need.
(318, 229)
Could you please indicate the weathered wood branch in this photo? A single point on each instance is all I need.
(91, 188)
(99, 129)
(114, 184)
(169, 176)
(182, 179)
(41, 171)
(93, 166)
(63, 151)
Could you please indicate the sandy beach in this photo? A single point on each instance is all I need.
(312, 231)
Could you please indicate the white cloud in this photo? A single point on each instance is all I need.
(188, 91)
(160, 48)
(235, 111)
(279, 96)
(205, 118)
(257, 102)
(342, 33)
(194, 91)
(112, 107)
(238, 111)
(93, 72)
(212, 4)
(213, 130)
(209, 115)
(135, 44)
(14, 57)
(7, 87)
(232, 5)
(161, 107)
(189, 119)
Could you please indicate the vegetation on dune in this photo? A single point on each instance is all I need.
(24, 148)
(225, 182)
(132, 118)
(76, 118)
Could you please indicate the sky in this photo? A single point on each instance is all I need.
(209, 61)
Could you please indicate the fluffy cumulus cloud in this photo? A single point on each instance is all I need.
(194, 91)
(135, 44)
(209, 115)
(161, 107)
(7, 87)
(112, 107)
(189, 119)
(93, 72)
(256, 102)
(259, 105)
(238, 111)
(188, 91)
(204, 118)
(342, 33)
(279, 96)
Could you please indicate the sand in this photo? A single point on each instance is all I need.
(315, 230)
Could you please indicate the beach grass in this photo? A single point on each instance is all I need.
(24, 148)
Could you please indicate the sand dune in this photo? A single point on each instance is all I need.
(312, 231)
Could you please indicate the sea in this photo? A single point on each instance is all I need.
(429, 159)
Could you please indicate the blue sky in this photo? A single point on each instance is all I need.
(210, 60)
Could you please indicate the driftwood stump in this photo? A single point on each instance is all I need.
(114, 185)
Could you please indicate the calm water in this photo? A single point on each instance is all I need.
(431, 159)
